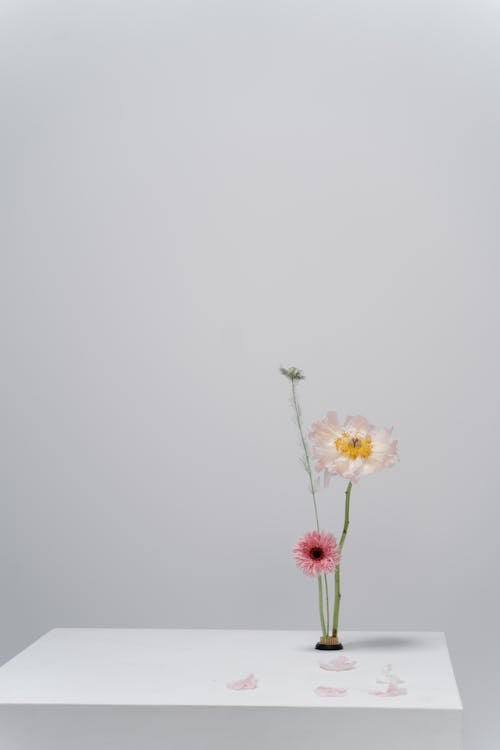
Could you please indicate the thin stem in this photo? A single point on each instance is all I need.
(327, 604)
(346, 516)
(321, 612)
(338, 595)
(336, 603)
(307, 462)
(325, 627)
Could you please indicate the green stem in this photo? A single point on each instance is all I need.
(327, 605)
(336, 606)
(307, 461)
(321, 612)
(307, 466)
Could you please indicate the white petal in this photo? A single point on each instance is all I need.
(357, 424)
(332, 419)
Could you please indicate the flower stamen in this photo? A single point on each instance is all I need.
(354, 446)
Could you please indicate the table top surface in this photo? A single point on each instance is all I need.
(125, 667)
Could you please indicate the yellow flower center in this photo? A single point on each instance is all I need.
(354, 446)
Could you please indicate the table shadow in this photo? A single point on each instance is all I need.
(383, 641)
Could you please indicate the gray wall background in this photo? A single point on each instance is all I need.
(193, 193)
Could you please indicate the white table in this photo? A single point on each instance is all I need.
(107, 689)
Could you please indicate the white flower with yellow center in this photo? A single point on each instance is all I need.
(352, 450)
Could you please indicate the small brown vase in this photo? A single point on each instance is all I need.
(329, 643)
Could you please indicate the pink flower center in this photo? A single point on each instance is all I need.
(316, 553)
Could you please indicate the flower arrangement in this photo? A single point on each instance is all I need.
(351, 450)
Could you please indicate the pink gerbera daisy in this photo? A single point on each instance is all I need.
(316, 553)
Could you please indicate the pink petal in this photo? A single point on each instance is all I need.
(247, 683)
(358, 423)
(396, 690)
(340, 664)
(332, 419)
(330, 692)
(391, 691)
